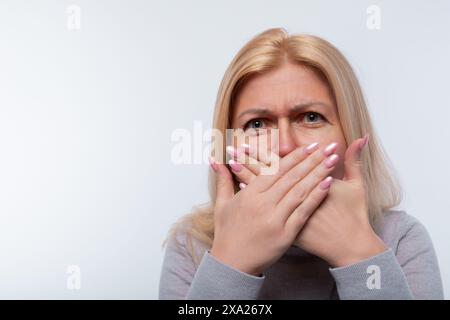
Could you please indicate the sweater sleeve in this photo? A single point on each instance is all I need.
(212, 280)
(215, 280)
(408, 271)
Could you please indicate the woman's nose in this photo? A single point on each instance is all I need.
(286, 140)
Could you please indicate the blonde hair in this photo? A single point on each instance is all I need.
(267, 51)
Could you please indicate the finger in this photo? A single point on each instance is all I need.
(303, 212)
(300, 191)
(264, 155)
(242, 173)
(353, 161)
(284, 165)
(224, 181)
(297, 173)
(248, 161)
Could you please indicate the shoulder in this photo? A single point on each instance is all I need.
(182, 245)
(179, 265)
(398, 226)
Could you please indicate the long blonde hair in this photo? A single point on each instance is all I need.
(267, 51)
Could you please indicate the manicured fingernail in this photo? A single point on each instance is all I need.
(232, 151)
(242, 185)
(326, 183)
(246, 148)
(213, 164)
(330, 149)
(363, 143)
(236, 167)
(311, 147)
(331, 160)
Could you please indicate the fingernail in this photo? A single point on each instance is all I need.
(330, 149)
(331, 160)
(213, 164)
(326, 183)
(236, 167)
(246, 148)
(311, 147)
(242, 185)
(363, 143)
(232, 151)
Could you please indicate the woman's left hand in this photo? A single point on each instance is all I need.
(339, 230)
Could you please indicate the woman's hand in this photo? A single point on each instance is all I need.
(254, 227)
(339, 230)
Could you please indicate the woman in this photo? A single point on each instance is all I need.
(322, 224)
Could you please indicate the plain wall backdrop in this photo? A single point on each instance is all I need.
(88, 107)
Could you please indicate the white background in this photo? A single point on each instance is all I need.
(86, 118)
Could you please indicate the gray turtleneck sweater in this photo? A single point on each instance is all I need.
(408, 269)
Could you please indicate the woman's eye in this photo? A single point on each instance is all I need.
(312, 117)
(254, 124)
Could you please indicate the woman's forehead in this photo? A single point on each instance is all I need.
(282, 89)
(286, 73)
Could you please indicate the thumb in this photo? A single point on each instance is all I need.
(224, 181)
(353, 160)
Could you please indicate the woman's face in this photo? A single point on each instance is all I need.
(296, 101)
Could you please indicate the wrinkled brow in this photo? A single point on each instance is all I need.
(262, 112)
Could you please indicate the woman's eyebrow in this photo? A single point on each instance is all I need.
(295, 109)
(300, 107)
(256, 111)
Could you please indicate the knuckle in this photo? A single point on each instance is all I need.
(272, 225)
(301, 216)
(301, 193)
(292, 178)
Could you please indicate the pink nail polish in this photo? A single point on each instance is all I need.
(309, 149)
(232, 151)
(326, 183)
(242, 185)
(236, 167)
(363, 143)
(331, 160)
(246, 148)
(330, 149)
(213, 164)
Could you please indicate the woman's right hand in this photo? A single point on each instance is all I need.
(254, 227)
